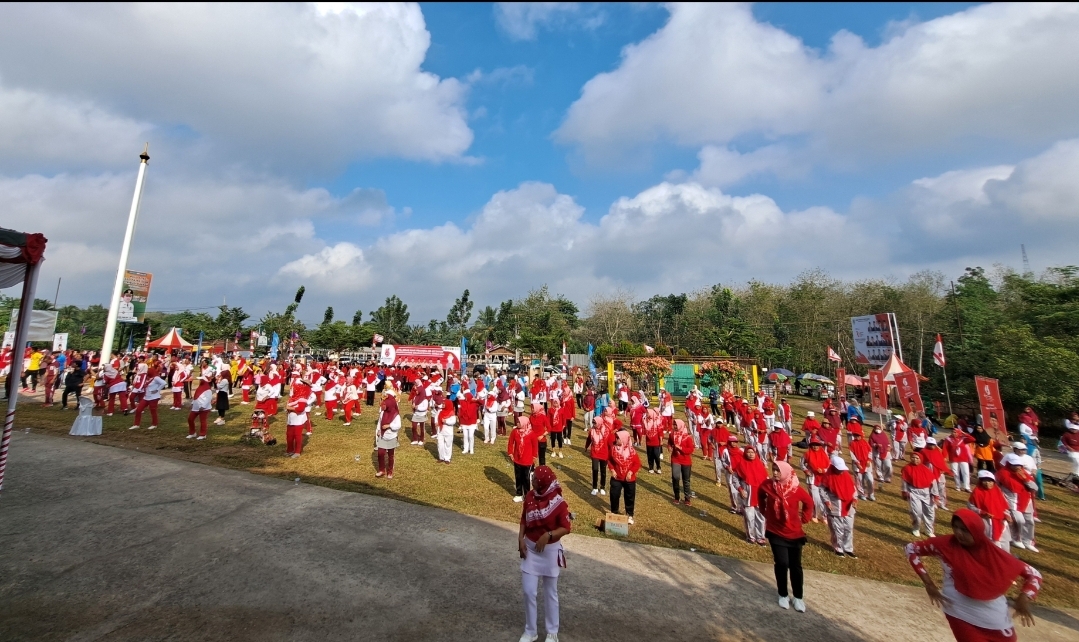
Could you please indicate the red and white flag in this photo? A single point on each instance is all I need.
(938, 353)
(378, 338)
(833, 355)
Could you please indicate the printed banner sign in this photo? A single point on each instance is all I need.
(878, 395)
(906, 386)
(446, 357)
(875, 337)
(993, 417)
(841, 381)
(59, 342)
(42, 324)
(133, 297)
(9, 339)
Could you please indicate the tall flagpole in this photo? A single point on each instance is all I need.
(946, 391)
(132, 217)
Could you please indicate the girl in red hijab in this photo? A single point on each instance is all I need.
(786, 506)
(988, 501)
(544, 522)
(751, 474)
(625, 464)
(682, 447)
(977, 576)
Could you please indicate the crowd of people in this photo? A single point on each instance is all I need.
(748, 442)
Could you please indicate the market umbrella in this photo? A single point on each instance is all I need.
(809, 376)
(782, 371)
(854, 380)
(775, 376)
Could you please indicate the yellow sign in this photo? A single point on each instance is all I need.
(610, 379)
(756, 381)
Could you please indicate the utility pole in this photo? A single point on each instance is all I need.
(132, 217)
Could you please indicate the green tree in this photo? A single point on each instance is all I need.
(391, 320)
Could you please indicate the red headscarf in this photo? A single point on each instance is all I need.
(752, 472)
(992, 504)
(544, 505)
(839, 482)
(983, 571)
(780, 491)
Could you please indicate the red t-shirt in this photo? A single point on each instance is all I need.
(791, 527)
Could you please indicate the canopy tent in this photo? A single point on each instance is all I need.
(20, 261)
(171, 341)
(893, 366)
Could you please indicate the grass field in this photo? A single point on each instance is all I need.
(482, 484)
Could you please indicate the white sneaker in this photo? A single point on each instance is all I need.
(784, 602)
(551, 637)
(569, 443)
(200, 438)
(151, 427)
(1019, 545)
(595, 491)
(135, 427)
(916, 533)
(191, 436)
(799, 605)
(602, 492)
(518, 499)
(630, 520)
(561, 456)
(528, 638)
(1032, 548)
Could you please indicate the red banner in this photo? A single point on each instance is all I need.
(906, 386)
(841, 382)
(878, 395)
(993, 416)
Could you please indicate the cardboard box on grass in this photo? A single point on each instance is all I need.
(616, 525)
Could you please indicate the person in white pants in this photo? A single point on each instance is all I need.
(919, 489)
(838, 492)
(490, 419)
(1019, 489)
(544, 522)
(447, 421)
(468, 410)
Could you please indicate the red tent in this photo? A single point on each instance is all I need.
(20, 261)
(171, 341)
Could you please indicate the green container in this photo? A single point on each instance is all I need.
(681, 380)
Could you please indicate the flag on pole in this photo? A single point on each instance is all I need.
(833, 355)
(938, 353)
(565, 358)
(376, 339)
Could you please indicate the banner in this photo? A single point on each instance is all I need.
(993, 416)
(275, 342)
(464, 354)
(448, 357)
(9, 340)
(878, 396)
(133, 297)
(59, 342)
(875, 338)
(840, 382)
(906, 386)
(591, 364)
(42, 324)
(451, 358)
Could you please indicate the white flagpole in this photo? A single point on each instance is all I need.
(132, 217)
(946, 391)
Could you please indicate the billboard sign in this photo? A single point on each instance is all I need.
(133, 296)
(447, 357)
(876, 337)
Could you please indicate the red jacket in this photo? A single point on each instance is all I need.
(791, 527)
(599, 443)
(522, 447)
(468, 412)
(682, 448)
(624, 468)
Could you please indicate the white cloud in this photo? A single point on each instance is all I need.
(523, 20)
(283, 86)
(714, 75)
(722, 166)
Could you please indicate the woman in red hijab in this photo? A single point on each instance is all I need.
(682, 447)
(625, 464)
(751, 473)
(786, 506)
(544, 522)
(988, 501)
(977, 576)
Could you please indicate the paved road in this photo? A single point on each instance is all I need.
(107, 543)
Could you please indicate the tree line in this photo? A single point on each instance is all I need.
(1021, 329)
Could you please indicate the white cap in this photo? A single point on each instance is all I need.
(1019, 446)
(811, 414)
(1011, 459)
(931, 440)
(986, 474)
(838, 463)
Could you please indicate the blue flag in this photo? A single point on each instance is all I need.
(274, 341)
(464, 354)
(591, 366)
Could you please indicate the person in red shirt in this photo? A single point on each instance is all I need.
(919, 488)
(840, 502)
(636, 420)
(810, 427)
(541, 428)
(934, 457)
(780, 443)
(468, 411)
(544, 522)
(522, 449)
(598, 445)
(588, 405)
(625, 464)
(653, 439)
(387, 428)
(861, 458)
(958, 451)
(989, 502)
(815, 463)
(569, 413)
(553, 419)
(751, 473)
(786, 507)
(682, 447)
(297, 419)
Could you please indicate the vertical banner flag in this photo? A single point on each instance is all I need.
(9, 339)
(59, 342)
(993, 417)
(275, 341)
(464, 355)
(591, 365)
(841, 382)
(878, 396)
(906, 386)
(133, 296)
(756, 380)
(198, 351)
(565, 359)
(938, 353)
(875, 338)
(833, 355)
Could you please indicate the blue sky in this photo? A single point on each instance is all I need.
(368, 150)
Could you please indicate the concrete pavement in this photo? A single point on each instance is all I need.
(112, 544)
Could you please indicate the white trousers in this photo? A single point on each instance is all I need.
(864, 483)
(961, 474)
(898, 449)
(842, 529)
(818, 500)
(445, 443)
(941, 486)
(754, 519)
(490, 427)
(468, 439)
(530, 585)
(1022, 526)
(884, 469)
(589, 418)
(1074, 456)
(923, 512)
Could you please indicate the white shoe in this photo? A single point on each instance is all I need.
(561, 456)
(1019, 545)
(602, 492)
(528, 638)
(191, 436)
(151, 427)
(108, 414)
(569, 443)
(631, 520)
(200, 438)
(517, 499)
(799, 605)
(916, 533)
(551, 637)
(784, 602)
(595, 491)
(1032, 548)
(135, 427)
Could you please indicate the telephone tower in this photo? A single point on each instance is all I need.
(1026, 262)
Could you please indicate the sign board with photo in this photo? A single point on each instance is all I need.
(993, 416)
(876, 337)
(878, 394)
(59, 342)
(133, 297)
(906, 386)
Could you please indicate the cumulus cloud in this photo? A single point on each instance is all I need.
(713, 75)
(290, 87)
(523, 20)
